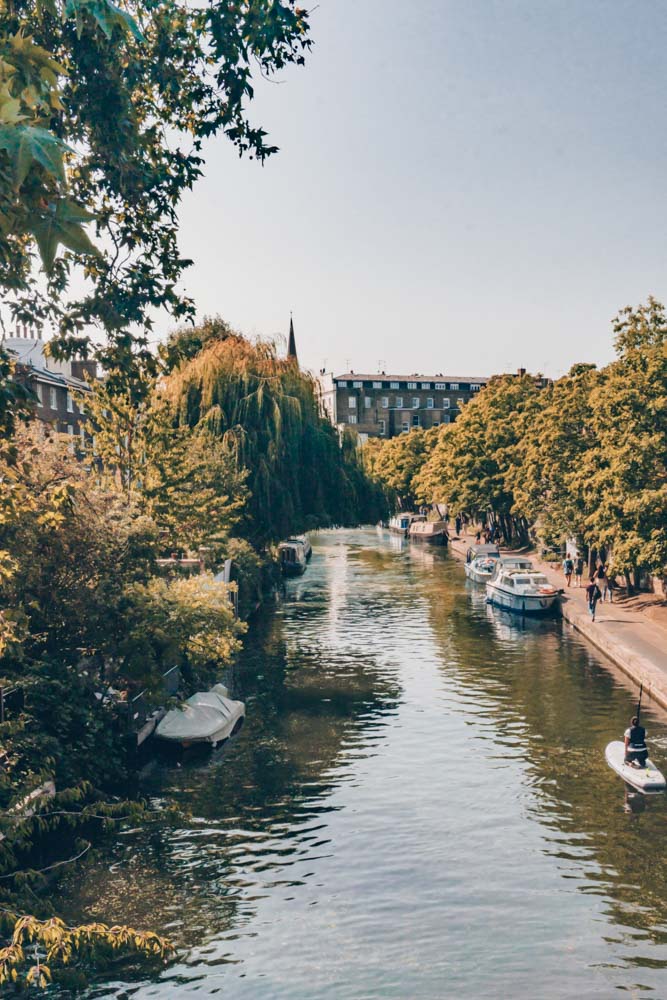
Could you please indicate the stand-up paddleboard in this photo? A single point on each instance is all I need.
(644, 779)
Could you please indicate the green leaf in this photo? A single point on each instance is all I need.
(106, 14)
(30, 144)
(61, 225)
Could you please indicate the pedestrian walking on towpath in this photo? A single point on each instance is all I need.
(568, 569)
(603, 581)
(579, 564)
(593, 595)
(458, 524)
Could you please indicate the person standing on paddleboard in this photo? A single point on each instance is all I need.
(636, 751)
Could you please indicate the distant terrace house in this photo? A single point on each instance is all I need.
(56, 384)
(386, 405)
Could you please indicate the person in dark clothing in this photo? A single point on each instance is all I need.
(636, 751)
(458, 524)
(593, 595)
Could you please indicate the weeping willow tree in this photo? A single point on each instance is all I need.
(266, 413)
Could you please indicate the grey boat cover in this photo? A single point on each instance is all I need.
(202, 716)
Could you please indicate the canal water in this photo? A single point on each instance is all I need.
(417, 807)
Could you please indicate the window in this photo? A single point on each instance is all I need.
(360, 385)
(412, 385)
(70, 403)
(352, 402)
(475, 387)
(405, 427)
(429, 403)
(441, 385)
(426, 385)
(385, 402)
(70, 434)
(39, 394)
(53, 401)
(415, 420)
(342, 384)
(399, 401)
(383, 426)
(394, 385)
(453, 386)
(445, 418)
(352, 419)
(82, 408)
(415, 402)
(460, 402)
(445, 404)
(367, 402)
(82, 435)
(377, 385)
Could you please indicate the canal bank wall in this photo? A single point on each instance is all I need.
(634, 644)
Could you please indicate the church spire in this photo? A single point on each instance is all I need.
(291, 343)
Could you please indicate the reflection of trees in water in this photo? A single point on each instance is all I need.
(258, 808)
(549, 700)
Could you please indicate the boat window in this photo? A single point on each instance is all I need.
(508, 581)
(540, 579)
(523, 580)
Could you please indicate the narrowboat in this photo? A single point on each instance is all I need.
(399, 524)
(432, 532)
(305, 541)
(293, 560)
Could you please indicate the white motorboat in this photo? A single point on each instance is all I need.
(488, 550)
(480, 569)
(302, 540)
(293, 559)
(433, 532)
(524, 591)
(208, 717)
(645, 779)
(399, 524)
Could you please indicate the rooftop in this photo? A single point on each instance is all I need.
(382, 376)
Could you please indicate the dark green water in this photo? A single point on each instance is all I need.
(418, 807)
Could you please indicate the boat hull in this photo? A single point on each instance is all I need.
(521, 604)
(293, 569)
(428, 539)
(648, 780)
(474, 575)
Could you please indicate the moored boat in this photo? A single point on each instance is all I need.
(305, 541)
(524, 591)
(432, 532)
(293, 560)
(645, 779)
(399, 524)
(208, 717)
(489, 550)
(481, 569)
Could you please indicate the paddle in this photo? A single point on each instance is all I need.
(639, 703)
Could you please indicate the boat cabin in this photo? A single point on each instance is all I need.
(489, 551)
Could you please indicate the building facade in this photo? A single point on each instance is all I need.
(58, 386)
(386, 405)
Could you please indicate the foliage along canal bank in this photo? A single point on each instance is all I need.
(220, 454)
(583, 458)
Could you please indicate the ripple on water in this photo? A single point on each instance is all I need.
(417, 807)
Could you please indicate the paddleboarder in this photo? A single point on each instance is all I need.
(636, 751)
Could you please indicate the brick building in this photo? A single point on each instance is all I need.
(56, 384)
(386, 405)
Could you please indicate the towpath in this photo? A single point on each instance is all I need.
(630, 630)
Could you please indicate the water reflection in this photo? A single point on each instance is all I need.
(418, 806)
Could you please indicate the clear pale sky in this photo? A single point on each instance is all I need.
(462, 185)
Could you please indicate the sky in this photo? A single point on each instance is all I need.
(466, 186)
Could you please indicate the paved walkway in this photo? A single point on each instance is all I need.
(630, 638)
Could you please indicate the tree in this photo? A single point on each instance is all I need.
(397, 461)
(103, 116)
(624, 475)
(469, 464)
(547, 477)
(265, 414)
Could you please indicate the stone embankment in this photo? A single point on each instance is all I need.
(633, 641)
